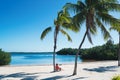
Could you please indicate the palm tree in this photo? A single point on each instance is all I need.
(119, 51)
(95, 14)
(63, 20)
(117, 28)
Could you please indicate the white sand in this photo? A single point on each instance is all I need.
(100, 70)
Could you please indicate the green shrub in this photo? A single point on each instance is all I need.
(116, 78)
(67, 51)
(5, 58)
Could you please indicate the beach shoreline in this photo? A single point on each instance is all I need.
(86, 61)
(103, 70)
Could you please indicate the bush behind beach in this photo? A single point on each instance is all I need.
(107, 51)
(5, 58)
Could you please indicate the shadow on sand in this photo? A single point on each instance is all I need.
(59, 77)
(53, 78)
(33, 76)
(24, 76)
(102, 69)
(79, 78)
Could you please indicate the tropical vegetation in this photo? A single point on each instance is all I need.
(106, 51)
(95, 14)
(5, 58)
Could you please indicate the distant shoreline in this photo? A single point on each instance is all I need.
(59, 64)
(30, 52)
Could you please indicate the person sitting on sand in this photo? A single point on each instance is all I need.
(57, 68)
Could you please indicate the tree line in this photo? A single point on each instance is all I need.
(108, 51)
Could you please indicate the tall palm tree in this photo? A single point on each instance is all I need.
(63, 20)
(95, 14)
(117, 28)
(119, 51)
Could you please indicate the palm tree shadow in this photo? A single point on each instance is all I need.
(53, 78)
(102, 69)
(1, 76)
(59, 77)
(77, 78)
(25, 76)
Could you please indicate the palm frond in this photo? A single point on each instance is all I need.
(107, 5)
(81, 6)
(112, 1)
(65, 19)
(99, 7)
(45, 32)
(115, 27)
(66, 12)
(103, 29)
(112, 6)
(79, 18)
(71, 7)
(66, 34)
(93, 29)
(107, 18)
(89, 37)
(71, 26)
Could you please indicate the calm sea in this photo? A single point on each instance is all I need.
(40, 58)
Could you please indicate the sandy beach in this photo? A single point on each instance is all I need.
(100, 70)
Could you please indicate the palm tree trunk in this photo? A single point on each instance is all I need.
(119, 51)
(76, 57)
(54, 52)
(54, 58)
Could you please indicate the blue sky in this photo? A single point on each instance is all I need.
(22, 22)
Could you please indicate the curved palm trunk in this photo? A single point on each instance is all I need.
(76, 57)
(89, 22)
(54, 52)
(119, 51)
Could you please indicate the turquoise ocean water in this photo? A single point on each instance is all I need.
(40, 58)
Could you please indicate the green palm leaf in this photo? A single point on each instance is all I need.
(79, 18)
(89, 37)
(115, 27)
(107, 18)
(66, 34)
(103, 29)
(45, 32)
(110, 5)
(70, 6)
(71, 26)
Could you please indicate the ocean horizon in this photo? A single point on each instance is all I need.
(40, 58)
